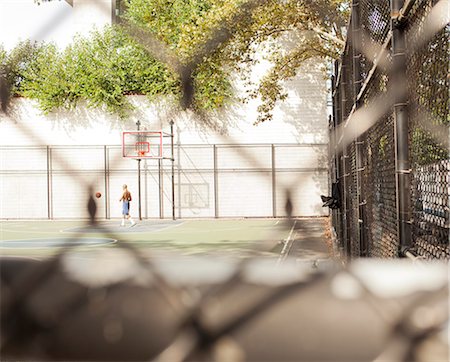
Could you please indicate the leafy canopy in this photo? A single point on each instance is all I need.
(110, 64)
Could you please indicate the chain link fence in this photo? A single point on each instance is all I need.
(389, 132)
(209, 181)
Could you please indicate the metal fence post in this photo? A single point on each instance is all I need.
(274, 184)
(161, 190)
(179, 171)
(357, 83)
(138, 124)
(216, 182)
(345, 165)
(401, 120)
(49, 184)
(337, 153)
(106, 173)
(333, 148)
(172, 157)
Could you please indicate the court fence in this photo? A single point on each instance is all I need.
(210, 181)
(389, 151)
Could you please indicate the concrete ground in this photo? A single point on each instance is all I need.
(308, 241)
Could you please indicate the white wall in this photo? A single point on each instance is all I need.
(25, 19)
(54, 21)
(300, 119)
(92, 13)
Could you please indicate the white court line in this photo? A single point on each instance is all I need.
(287, 244)
(112, 228)
(43, 246)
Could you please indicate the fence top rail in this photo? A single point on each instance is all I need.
(52, 146)
(190, 145)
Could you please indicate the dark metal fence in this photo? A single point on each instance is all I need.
(389, 152)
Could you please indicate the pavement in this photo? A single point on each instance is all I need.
(309, 242)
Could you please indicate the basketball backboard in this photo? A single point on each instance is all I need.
(142, 144)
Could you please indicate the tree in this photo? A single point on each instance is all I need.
(211, 41)
(186, 25)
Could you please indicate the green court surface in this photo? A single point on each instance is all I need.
(227, 237)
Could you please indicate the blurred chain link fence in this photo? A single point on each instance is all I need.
(393, 171)
(145, 313)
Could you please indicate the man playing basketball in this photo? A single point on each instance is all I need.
(126, 198)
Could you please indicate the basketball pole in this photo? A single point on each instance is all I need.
(138, 124)
(173, 169)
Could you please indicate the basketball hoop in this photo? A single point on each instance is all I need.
(147, 145)
(142, 148)
(143, 144)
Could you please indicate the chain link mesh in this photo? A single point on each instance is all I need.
(429, 116)
(427, 86)
(353, 193)
(375, 17)
(379, 188)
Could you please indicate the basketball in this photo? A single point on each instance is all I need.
(98, 195)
